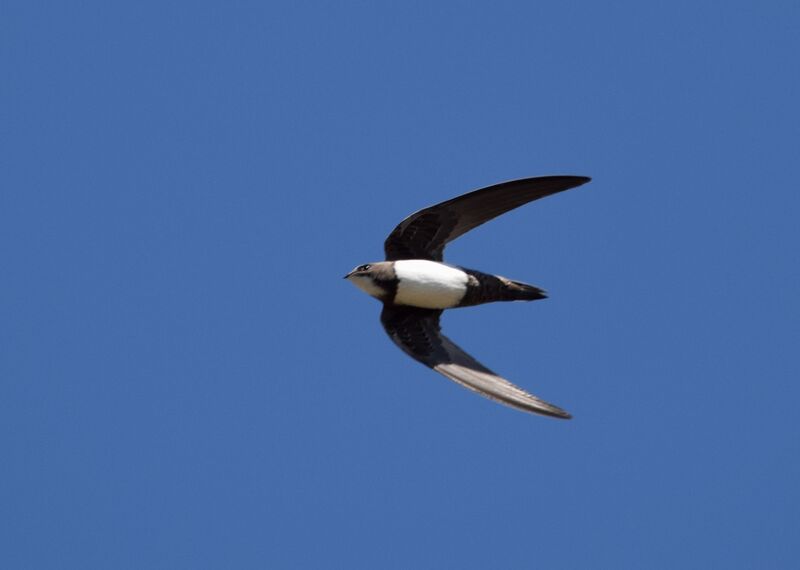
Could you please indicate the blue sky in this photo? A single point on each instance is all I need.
(187, 382)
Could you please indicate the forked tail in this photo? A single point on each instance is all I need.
(485, 288)
(518, 291)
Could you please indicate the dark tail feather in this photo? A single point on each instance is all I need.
(518, 291)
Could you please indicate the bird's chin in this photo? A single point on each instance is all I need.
(366, 284)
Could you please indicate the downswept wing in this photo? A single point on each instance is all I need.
(424, 234)
(417, 332)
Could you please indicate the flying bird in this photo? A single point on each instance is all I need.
(416, 286)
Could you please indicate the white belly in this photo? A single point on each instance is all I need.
(429, 284)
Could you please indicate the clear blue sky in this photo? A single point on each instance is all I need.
(187, 382)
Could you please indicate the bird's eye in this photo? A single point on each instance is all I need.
(364, 267)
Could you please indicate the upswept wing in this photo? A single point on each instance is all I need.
(424, 234)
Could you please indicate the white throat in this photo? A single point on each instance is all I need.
(429, 284)
(365, 283)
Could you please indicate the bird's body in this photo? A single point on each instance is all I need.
(429, 284)
(415, 285)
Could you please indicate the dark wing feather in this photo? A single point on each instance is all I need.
(424, 234)
(417, 332)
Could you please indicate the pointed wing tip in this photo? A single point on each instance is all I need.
(561, 415)
(549, 410)
(579, 180)
(574, 180)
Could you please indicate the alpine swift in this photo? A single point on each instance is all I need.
(415, 285)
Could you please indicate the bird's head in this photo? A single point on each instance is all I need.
(376, 279)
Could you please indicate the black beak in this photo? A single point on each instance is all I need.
(348, 275)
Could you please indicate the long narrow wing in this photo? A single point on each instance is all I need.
(424, 234)
(418, 334)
